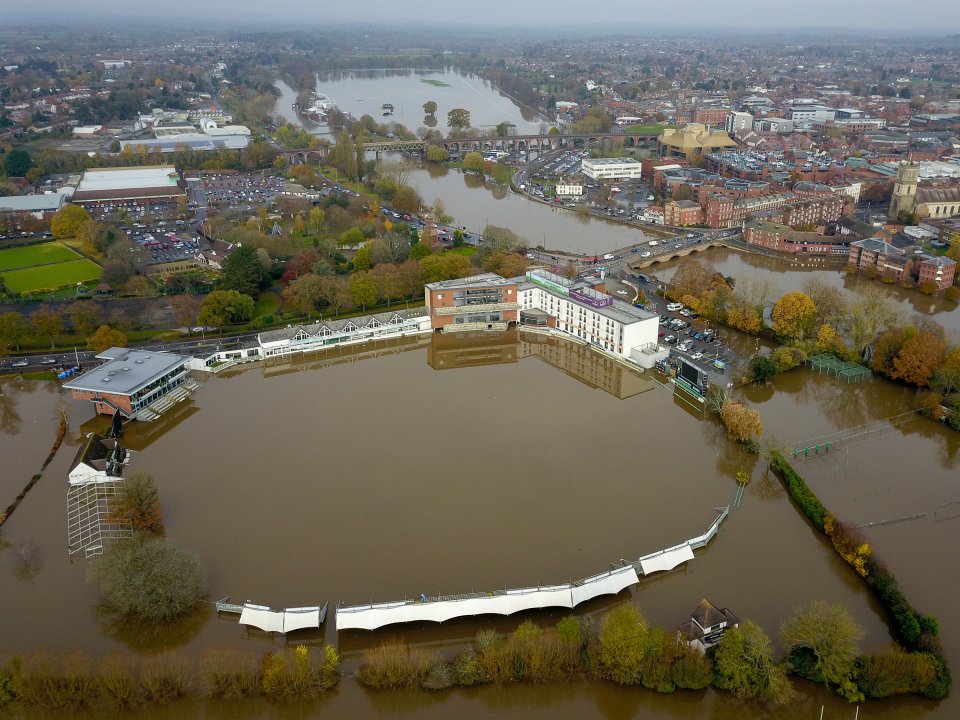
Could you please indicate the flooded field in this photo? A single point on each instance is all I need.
(444, 465)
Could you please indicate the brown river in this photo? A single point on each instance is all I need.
(444, 465)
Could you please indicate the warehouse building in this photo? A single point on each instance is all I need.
(141, 185)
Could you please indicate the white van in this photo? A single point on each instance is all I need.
(653, 243)
(673, 307)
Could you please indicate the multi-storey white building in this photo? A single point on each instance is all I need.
(576, 309)
(611, 168)
(738, 122)
(569, 189)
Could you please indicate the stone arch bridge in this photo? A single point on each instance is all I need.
(524, 144)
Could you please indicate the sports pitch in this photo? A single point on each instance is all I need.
(47, 266)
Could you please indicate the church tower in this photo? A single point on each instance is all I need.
(904, 190)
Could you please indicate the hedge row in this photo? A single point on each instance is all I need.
(917, 633)
(800, 492)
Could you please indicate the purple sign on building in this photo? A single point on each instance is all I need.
(593, 299)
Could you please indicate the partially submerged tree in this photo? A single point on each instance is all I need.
(149, 580)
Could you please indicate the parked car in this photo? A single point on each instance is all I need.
(673, 307)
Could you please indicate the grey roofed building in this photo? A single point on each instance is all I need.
(126, 371)
(48, 202)
(878, 246)
(195, 141)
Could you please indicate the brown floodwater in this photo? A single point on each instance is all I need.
(787, 275)
(445, 465)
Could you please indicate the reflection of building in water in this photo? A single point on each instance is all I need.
(587, 366)
(340, 354)
(448, 352)
(139, 436)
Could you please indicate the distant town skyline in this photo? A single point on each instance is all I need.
(934, 16)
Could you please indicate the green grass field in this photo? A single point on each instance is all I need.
(466, 251)
(19, 258)
(50, 277)
(643, 129)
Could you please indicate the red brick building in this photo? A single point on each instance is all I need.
(682, 213)
(785, 239)
(480, 300)
(937, 269)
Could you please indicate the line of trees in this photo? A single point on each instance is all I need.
(820, 641)
(127, 683)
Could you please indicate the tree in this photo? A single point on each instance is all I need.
(105, 338)
(317, 218)
(407, 200)
(185, 309)
(225, 306)
(745, 318)
(243, 272)
(47, 322)
(744, 665)
(84, 316)
(335, 291)
(17, 163)
(693, 277)
(621, 645)
(138, 286)
(473, 162)
(435, 153)
(458, 118)
(827, 298)
(741, 422)
(867, 315)
(361, 259)
(919, 358)
(138, 504)
(683, 192)
(429, 107)
(946, 378)
(762, 368)
(828, 632)
(363, 289)
(501, 239)
(13, 328)
(116, 273)
(68, 220)
(92, 237)
(149, 580)
(793, 315)
(305, 293)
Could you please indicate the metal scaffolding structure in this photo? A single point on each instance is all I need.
(90, 521)
(841, 368)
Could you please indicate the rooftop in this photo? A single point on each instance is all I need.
(101, 179)
(31, 203)
(126, 371)
(471, 281)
